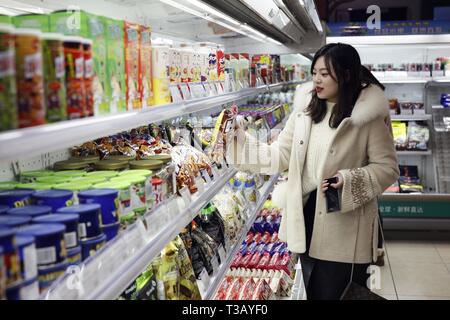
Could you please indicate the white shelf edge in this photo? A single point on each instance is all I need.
(414, 153)
(51, 137)
(118, 281)
(211, 291)
(406, 80)
(421, 117)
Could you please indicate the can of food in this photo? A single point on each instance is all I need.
(50, 245)
(89, 219)
(54, 77)
(157, 193)
(3, 209)
(28, 256)
(74, 256)
(111, 230)
(124, 201)
(111, 165)
(104, 174)
(10, 256)
(2, 275)
(56, 198)
(53, 180)
(88, 180)
(24, 290)
(91, 246)
(70, 165)
(29, 77)
(5, 185)
(32, 211)
(35, 186)
(91, 158)
(120, 157)
(31, 176)
(148, 182)
(8, 92)
(75, 187)
(108, 200)
(137, 192)
(71, 238)
(49, 274)
(70, 173)
(88, 76)
(9, 221)
(74, 65)
(15, 197)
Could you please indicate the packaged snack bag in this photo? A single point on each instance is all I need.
(224, 287)
(161, 76)
(133, 65)
(146, 88)
(8, 92)
(39, 22)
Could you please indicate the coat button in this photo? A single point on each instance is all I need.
(301, 141)
(320, 212)
(332, 151)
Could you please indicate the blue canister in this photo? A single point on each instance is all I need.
(107, 198)
(74, 256)
(91, 246)
(25, 290)
(71, 238)
(10, 256)
(111, 230)
(445, 100)
(27, 254)
(49, 274)
(3, 209)
(15, 197)
(50, 247)
(56, 198)
(10, 221)
(31, 211)
(2, 275)
(89, 222)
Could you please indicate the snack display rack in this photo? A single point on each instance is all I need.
(108, 272)
(429, 209)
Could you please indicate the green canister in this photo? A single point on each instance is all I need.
(31, 176)
(76, 187)
(105, 174)
(70, 173)
(53, 179)
(109, 165)
(35, 186)
(8, 91)
(148, 183)
(137, 192)
(54, 77)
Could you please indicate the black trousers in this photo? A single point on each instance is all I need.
(326, 280)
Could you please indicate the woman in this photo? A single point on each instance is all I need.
(340, 128)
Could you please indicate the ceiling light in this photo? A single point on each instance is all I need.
(245, 26)
(184, 8)
(212, 11)
(302, 3)
(274, 41)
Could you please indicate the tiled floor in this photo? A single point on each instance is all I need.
(420, 269)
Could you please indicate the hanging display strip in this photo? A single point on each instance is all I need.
(37, 140)
(209, 291)
(105, 275)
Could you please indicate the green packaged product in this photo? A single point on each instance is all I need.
(8, 91)
(125, 211)
(31, 176)
(4, 19)
(115, 64)
(137, 192)
(105, 174)
(35, 186)
(53, 179)
(54, 77)
(70, 173)
(143, 288)
(40, 22)
(4, 185)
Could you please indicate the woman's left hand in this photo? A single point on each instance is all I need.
(337, 185)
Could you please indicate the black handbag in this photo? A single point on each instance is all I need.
(354, 291)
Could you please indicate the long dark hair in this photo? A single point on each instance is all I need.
(351, 76)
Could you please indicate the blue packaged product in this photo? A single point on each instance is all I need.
(14, 198)
(252, 247)
(108, 200)
(56, 198)
(3, 209)
(111, 230)
(91, 246)
(70, 220)
(10, 255)
(258, 225)
(243, 249)
(2, 275)
(10, 221)
(25, 290)
(50, 247)
(276, 224)
(89, 219)
(49, 274)
(74, 256)
(269, 227)
(270, 248)
(27, 254)
(31, 211)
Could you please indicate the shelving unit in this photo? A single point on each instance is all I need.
(414, 153)
(415, 117)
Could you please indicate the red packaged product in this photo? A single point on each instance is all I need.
(236, 262)
(274, 261)
(249, 237)
(285, 263)
(257, 237)
(235, 289)
(264, 261)
(262, 291)
(266, 237)
(247, 290)
(264, 212)
(88, 77)
(245, 262)
(274, 237)
(255, 260)
(225, 285)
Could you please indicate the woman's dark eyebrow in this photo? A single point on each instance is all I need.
(322, 69)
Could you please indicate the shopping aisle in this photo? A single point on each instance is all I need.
(420, 269)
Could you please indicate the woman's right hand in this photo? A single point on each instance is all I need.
(240, 125)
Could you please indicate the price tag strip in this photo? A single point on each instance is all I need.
(185, 91)
(176, 94)
(186, 195)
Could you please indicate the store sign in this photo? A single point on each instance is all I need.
(388, 28)
(414, 209)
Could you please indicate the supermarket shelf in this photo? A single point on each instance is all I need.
(218, 277)
(107, 274)
(439, 107)
(425, 224)
(414, 153)
(51, 137)
(428, 197)
(442, 129)
(415, 117)
(404, 80)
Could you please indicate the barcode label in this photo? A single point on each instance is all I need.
(71, 239)
(82, 230)
(30, 262)
(46, 255)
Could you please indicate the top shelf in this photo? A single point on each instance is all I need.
(34, 141)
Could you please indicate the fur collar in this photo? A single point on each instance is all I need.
(370, 105)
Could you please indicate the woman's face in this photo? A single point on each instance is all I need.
(326, 87)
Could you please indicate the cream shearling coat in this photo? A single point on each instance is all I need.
(362, 151)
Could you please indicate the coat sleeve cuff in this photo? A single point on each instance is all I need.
(357, 189)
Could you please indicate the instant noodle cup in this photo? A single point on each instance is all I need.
(56, 198)
(8, 93)
(108, 200)
(71, 238)
(30, 211)
(54, 77)
(89, 219)
(16, 197)
(10, 255)
(29, 77)
(75, 187)
(70, 165)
